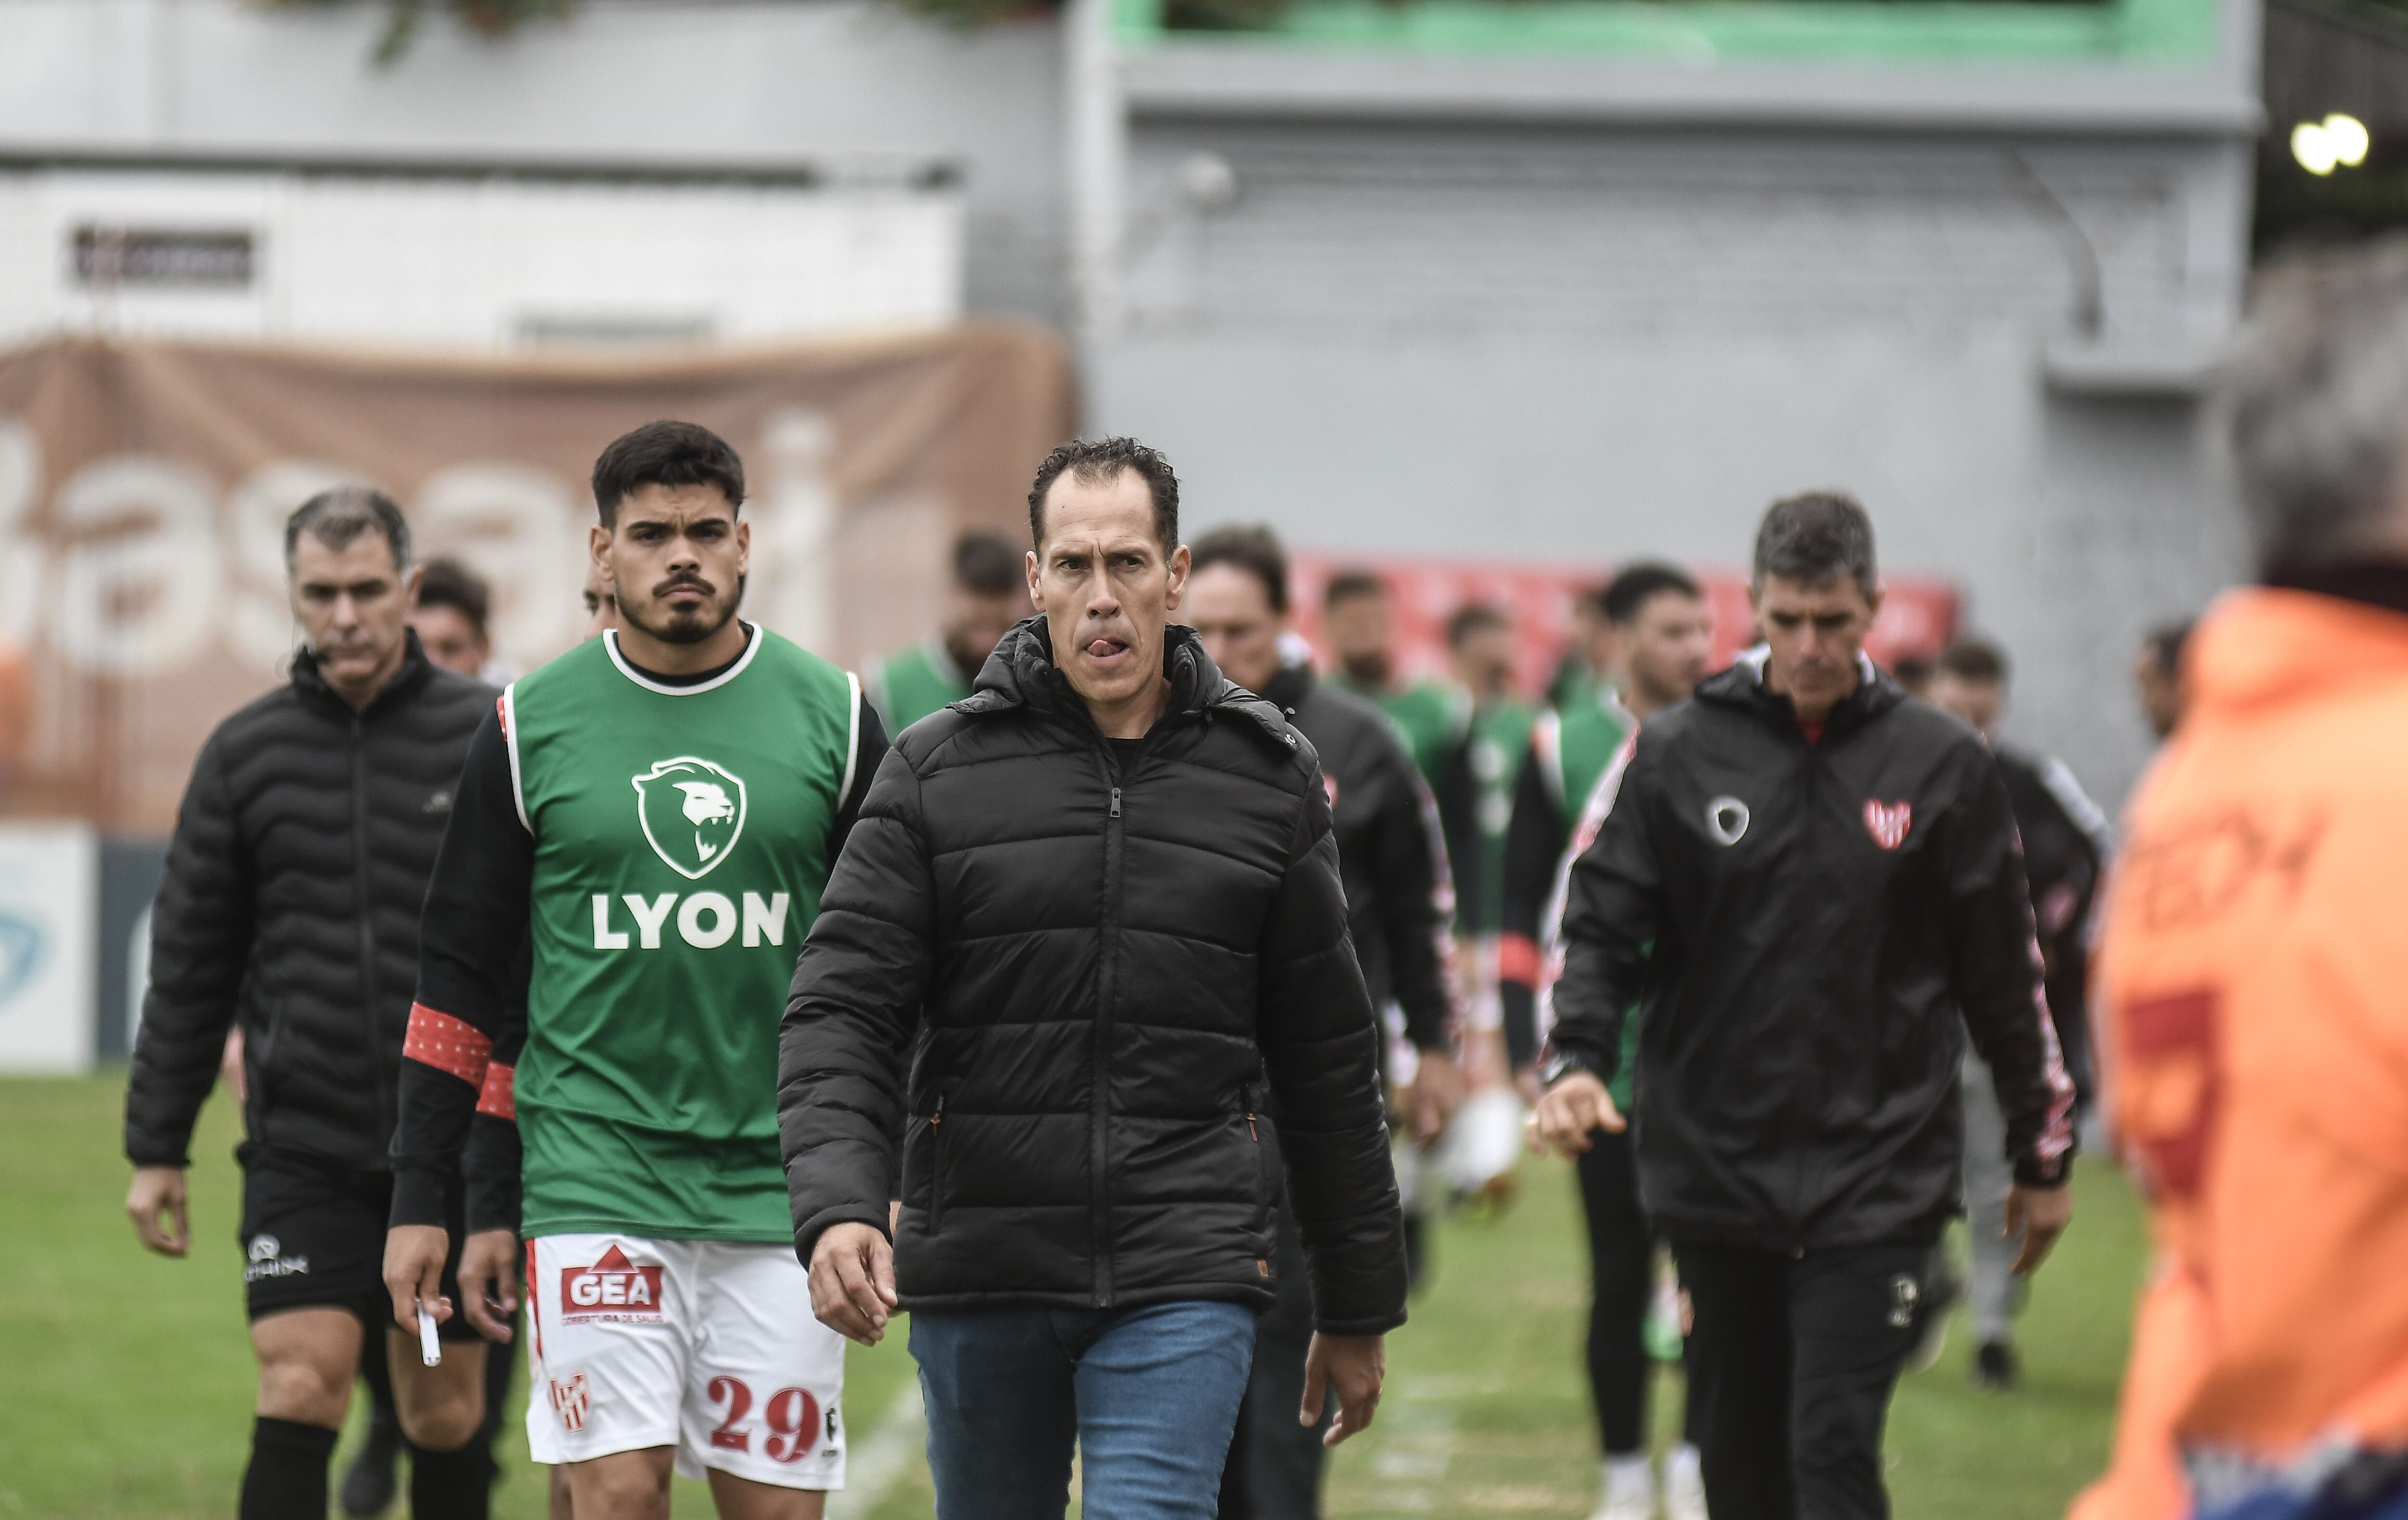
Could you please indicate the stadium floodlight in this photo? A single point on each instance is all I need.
(2338, 141)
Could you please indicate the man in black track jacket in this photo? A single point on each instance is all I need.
(291, 902)
(1096, 904)
(1829, 876)
(1400, 901)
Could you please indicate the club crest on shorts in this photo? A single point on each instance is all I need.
(1887, 823)
(612, 1291)
(573, 1401)
(691, 811)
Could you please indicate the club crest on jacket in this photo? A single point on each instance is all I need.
(1887, 823)
(691, 811)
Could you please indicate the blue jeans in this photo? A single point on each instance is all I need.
(1149, 1395)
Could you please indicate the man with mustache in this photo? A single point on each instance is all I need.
(1810, 888)
(1096, 909)
(658, 809)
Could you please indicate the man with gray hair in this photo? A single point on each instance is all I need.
(290, 905)
(1810, 888)
(2253, 967)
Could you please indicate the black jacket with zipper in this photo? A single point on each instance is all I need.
(1100, 959)
(1828, 920)
(291, 901)
(1391, 853)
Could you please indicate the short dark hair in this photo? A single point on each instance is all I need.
(1914, 671)
(449, 583)
(1097, 463)
(1815, 538)
(1254, 548)
(337, 516)
(1638, 584)
(665, 453)
(1474, 618)
(2165, 643)
(1347, 586)
(986, 564)
(1974, 659)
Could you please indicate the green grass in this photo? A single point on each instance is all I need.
(125, 1384)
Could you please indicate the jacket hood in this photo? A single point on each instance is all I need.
(415, 671)
(1742, 686)
(1021, 673)
(2262, 646)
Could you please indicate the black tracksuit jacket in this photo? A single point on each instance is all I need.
(1391, 855)
(291, 900)
(1099, 958)
(1828, 920)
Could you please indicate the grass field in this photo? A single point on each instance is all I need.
(126, 1385)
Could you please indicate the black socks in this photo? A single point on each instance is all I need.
(287, 1476)
(449, 1485)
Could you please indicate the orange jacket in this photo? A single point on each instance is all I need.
(2256, 977)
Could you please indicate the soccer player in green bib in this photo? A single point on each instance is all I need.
(1651, 646)
(642, 830)
(989, 594)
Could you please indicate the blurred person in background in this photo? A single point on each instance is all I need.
(452, 620)
(2066, 842)
(1914, 673)
(2253, 963)
(1578, 672)
(1398, 902)
(310, 936)
(987, 594)
(1810, 886)
(1477, 802)
(1652, 646)
(601, 602)
(1357, 622)
(2158, 674)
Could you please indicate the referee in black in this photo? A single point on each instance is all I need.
(1812, 886)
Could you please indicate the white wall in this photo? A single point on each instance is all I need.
(852, 87)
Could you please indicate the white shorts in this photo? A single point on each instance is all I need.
(703, 1345)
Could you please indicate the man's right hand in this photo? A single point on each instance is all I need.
(1576, 1107)
(413, 1272)
(156, 1203)
(853, 1282)
(489, 1282)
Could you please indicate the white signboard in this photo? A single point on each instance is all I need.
(49, 899)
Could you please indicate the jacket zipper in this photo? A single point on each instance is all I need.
(387, 1105)
(1099, 1102)
(936, 1166)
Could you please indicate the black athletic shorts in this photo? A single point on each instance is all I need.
(313, 1238)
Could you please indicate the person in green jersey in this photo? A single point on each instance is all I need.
(988, 595)
(1654, 644)
(1357, 626)
(1476, 798)
(642, 830)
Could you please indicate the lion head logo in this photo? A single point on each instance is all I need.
(691, 811)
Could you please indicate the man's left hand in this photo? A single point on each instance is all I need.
(1355, 1366)
(1435, 1095)
(2041, 1213)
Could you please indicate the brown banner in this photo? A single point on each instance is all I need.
(143, 490)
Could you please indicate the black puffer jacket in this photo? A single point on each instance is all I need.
(291, 900)
(1400, 897)
(1828, 921)
(1099, 961)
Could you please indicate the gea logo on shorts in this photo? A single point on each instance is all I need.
(613, 1290)
(691, 811)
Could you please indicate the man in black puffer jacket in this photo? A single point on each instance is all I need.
(291, 902)
(1098, 902)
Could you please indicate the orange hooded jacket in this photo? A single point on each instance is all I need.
(2254, 970)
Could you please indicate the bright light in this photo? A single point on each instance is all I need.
(2338, 141)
